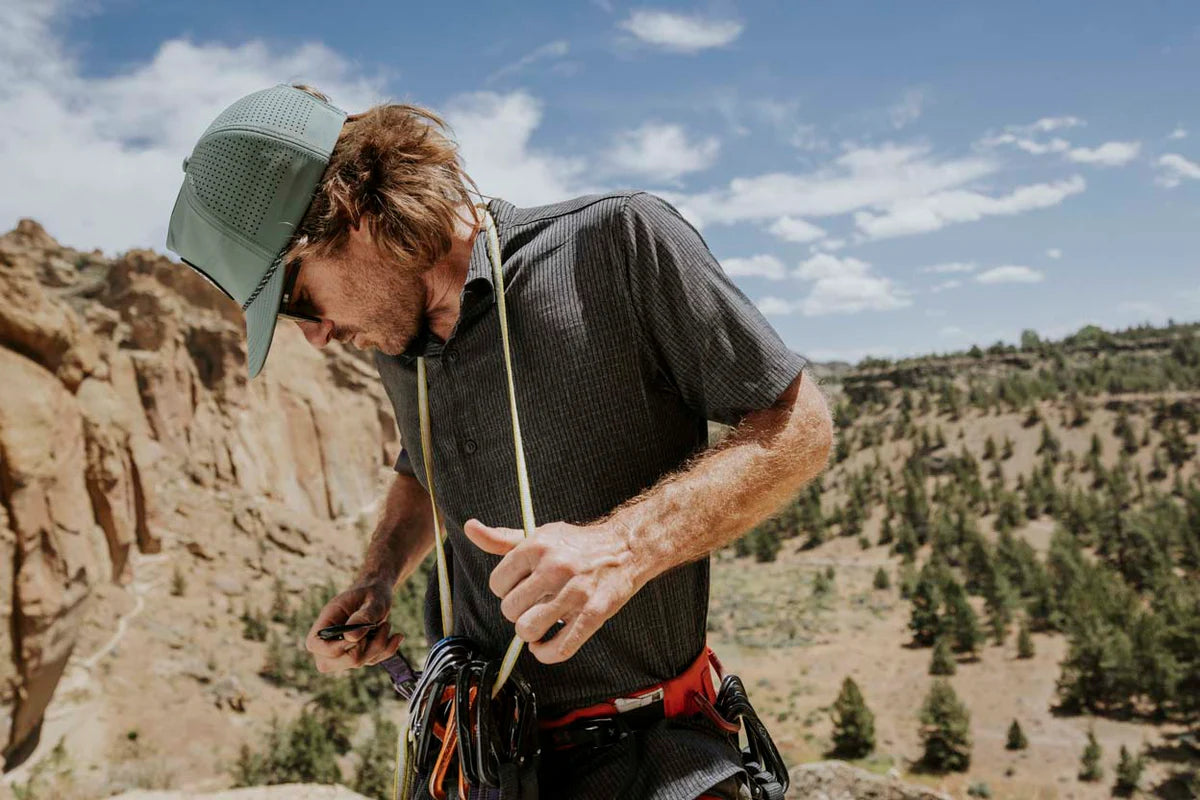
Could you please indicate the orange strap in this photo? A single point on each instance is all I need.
(690, 692)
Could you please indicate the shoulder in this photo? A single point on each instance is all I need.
(584, 210)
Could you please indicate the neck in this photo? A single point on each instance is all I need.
(444, 280)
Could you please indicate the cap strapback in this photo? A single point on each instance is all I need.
(247, 184)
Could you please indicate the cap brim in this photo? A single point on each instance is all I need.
(261, 317)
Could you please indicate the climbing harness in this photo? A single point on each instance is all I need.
(472, 723)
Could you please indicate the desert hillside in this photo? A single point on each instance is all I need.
(1022, 520)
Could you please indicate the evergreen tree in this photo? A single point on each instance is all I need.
(1007, 451)
(1024, 642)
(1016, 737)
(1129, 772)
(853, 723)
(989, 448)
(1175, 445)
(279, 601)
(881, 579)
(375, 768)
(963, 623)
(274, 666)
(942, 661)
(924, 620)
(1090, 769)
(945, 729)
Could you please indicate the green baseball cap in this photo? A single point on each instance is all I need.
(247, 184)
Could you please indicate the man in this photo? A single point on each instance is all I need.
(626, 337)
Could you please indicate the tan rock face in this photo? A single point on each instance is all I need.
(123, 382)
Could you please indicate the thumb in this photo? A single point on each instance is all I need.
(496, 541)
(367, 612)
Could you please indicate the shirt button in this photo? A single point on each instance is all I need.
(470, 446)
(452, 355)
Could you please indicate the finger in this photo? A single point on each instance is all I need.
(334, 613)
(534, 623)
(568, 641)
(515, 567)
(388, 650)
(533, 590)
(496, 541)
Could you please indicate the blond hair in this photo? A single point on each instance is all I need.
(394, 169)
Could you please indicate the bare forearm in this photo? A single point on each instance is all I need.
(403, 536)
(729, 488)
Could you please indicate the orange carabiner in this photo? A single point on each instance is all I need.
(437, 778)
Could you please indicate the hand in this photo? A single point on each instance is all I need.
(361, 648)
(580, 574)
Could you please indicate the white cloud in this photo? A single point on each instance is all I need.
(827, 245)
(1031, 146)
(681, 33)
(791, 229)
(1046, 124)
(908, 109)
(1010, 274)
(550, 50)
(762, 266)
(951, 331)
(662, 152)
(1180, 132)
(859, 178)
(944, 285)
(775, 306)
(954, 266)
(98, 159)
(1175, 168)
(494, 131)
(1054, 253)
(935, 211)
(846, 285)
(1109, 154)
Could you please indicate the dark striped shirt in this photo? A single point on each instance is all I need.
(626, 337)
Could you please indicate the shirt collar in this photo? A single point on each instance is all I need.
(478, 288)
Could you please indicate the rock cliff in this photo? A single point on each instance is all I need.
(124, 402)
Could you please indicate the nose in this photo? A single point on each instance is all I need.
(318, 334)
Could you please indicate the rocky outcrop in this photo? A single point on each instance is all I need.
(122, 387)
(837, 780)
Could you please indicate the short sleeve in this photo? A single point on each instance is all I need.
(713, 344)
(403, 464)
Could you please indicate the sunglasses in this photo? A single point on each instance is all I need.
(291, 272)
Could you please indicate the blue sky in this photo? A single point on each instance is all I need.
(882, 179)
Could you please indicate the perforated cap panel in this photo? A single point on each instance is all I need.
(239, 196)
(285, 110)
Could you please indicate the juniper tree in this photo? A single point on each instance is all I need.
(1016, 737)
(925, 621)
(942, 661)
(945, 729)
(374, 775)
(1024, 642)
(1090, 768)
(989, 448)
(1129, 772)
(881, 579)
(1176, 446)
(963, 623)
(853, 723)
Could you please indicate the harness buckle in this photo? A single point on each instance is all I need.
(624, 704)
